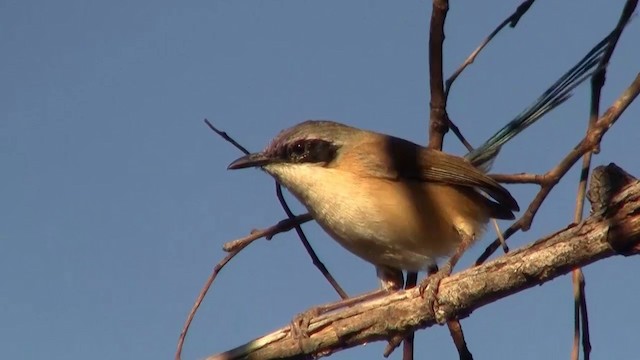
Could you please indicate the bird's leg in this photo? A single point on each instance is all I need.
(429, 287)
(393, 280)
(455, 329)
(407, 347)
(390, 279)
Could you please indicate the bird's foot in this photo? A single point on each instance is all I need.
(300, 324)
(429, 289)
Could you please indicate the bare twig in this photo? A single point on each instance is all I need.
(225, 136)
(192, 313)
(579, 313)
(522, 178)
(303, 238)
(512, 21)
(219, 266)
(267, 233)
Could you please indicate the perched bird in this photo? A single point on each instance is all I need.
(391, 202)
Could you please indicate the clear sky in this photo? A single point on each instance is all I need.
(116, 198)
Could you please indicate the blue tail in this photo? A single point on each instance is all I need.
(558, 93)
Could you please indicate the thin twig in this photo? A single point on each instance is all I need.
(192, 313)
(503, 242)
(586, 342)
(512, 21)
(577, 278)
(303, 238)
(218, 266)
(296, 225)
(267, 233)
(521, 178)
(225, 136)
(456, 131)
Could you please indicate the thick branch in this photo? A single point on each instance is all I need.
(613, 229)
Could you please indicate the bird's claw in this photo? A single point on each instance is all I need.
(428, 289)
(300, 324)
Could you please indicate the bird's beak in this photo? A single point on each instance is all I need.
(251, 160)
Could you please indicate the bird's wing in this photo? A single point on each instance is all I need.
(438, 166)
(405, 160)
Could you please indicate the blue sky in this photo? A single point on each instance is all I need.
(116, 198)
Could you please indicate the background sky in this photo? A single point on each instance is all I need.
(116, 198)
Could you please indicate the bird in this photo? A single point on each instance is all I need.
(393, 203)
(389, 201)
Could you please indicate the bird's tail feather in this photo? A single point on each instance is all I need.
(558, 93)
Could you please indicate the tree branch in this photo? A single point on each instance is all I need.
(612, 229)
(438, 122)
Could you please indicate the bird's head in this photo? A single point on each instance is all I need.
(315, 143)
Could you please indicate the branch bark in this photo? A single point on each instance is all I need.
(612, 229)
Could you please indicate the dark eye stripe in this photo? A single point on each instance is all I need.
(308, 151)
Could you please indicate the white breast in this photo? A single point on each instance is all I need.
(405, 227)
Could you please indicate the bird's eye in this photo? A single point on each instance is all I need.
(297, 151)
